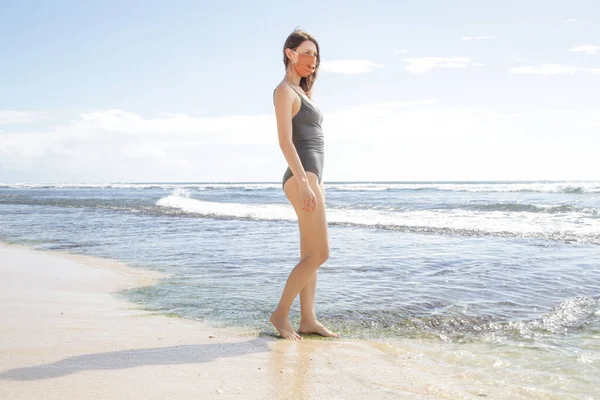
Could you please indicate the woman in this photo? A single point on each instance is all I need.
(301, 141)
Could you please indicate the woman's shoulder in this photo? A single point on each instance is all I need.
(284, 91)
(283, 87)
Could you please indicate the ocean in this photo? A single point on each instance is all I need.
(501, 279)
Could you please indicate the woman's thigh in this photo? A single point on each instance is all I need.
(314, 237)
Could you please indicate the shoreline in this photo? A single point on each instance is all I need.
(65, 335)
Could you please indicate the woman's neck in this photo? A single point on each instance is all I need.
(292, 76)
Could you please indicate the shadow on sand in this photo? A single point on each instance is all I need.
(115, 360)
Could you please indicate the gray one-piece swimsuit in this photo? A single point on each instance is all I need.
(307, 137)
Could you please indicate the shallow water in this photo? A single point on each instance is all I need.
(501, 279)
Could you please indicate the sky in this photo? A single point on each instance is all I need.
(181, 91)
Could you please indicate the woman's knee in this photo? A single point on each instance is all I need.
(323, 256)
(318, 257)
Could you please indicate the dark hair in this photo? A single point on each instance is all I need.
(293, 41)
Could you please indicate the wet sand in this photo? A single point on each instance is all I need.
(65, 335)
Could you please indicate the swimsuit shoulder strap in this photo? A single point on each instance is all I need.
(299, 94)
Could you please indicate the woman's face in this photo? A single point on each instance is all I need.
(306, 47)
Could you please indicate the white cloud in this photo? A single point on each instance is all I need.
(551, 69)
(505, 116)
(396, 104)
(433, 141)
(573, 20)
(515, 59)
(348, 66)
(545, 69)
(374, 109)
(478, 37)
(586, 48)
(116, 143)
(168, 125)
(19, 117)
(400, 51)
(425, 64)
(407, 139)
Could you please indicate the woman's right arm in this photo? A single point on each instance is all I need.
(284, 99)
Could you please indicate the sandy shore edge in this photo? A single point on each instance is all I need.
(65, 336)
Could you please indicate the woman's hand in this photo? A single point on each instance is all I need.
(307, 197)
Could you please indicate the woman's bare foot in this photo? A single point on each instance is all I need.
(316, 327)
(284, 327)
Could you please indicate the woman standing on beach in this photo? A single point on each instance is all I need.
(301, 141)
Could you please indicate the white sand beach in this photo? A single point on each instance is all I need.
(63, 335)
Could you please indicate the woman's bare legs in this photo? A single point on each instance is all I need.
(313, 228)
(308, 319)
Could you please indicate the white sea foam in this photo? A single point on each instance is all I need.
(540, 187)
(232, 210)
(566, 225)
